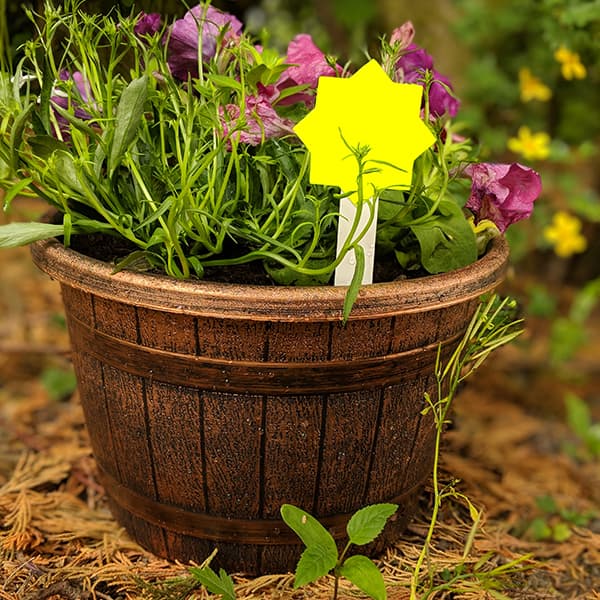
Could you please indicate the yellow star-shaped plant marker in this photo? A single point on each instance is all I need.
(369, 110)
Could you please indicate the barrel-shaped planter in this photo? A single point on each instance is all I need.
(210, 405)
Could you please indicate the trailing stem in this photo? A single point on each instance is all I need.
(492, 326)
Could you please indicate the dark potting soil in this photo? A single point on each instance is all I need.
(113, 249)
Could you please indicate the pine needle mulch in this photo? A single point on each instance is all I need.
(506, 446)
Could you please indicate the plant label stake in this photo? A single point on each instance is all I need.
(348, 209)
(369, 115)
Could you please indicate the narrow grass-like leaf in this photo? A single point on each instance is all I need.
(316, 561)
(365, 575)
(21, 234)
(16, 134)
(128, 118)
(14, 191)
(367, 523)
(356, 281)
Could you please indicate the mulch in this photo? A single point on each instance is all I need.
(507, 446)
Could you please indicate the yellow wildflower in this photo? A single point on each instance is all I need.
(532, 88)
(565, 234)
(571, 66)
(532, 146)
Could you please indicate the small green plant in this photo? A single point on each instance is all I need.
(579, 418)
(60, 383)
(555, 523)
(220, 584)
(321, 554)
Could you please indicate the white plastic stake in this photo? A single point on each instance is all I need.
(345, 270)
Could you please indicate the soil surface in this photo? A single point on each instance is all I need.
(515, 457)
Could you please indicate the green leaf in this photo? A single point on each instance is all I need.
(446, 239)
(561, 532)
(367, 523)
(308, 529)
(224, 81)
(365, 575)
(356, 281)
(44, 145)
(539, 529)
(128, 118)
(578, 415)
(16, 133)
(15, 190)
(21, 234)
(547, 504)
(316, 561)
(216, 584)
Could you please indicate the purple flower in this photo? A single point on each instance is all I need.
(411, 67)
(412, 63)
(308, 63)
(201, 24)
(148, 24)
(259, 122)
(502, 193)
(66, 101)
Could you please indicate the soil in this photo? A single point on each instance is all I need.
(509, 449)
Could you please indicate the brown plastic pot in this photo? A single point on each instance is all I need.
(210, 405)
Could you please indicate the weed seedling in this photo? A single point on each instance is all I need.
(321, 554)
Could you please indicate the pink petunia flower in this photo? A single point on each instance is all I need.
(402, 36)
(308, 63)
(203, 25)
(502, 193)
(259, 122)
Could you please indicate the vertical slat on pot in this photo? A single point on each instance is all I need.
(349, 430)
(126, 396)
(233, 469)
(178, 459)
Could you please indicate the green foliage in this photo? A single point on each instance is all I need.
(220, 584)
(579, 418)
(59, 383)
(555, 522)
(132, 151)
(569, 332)
(321, 554)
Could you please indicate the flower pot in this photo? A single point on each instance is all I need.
(210, 405)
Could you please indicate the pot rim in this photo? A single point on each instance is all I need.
(275, 303)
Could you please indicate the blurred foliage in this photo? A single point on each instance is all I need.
(536, 65)
(525, 34)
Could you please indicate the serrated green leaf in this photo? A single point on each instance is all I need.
(367, 523)
(216, 584)
(308, 529)
(316, 561)
(128, 118)
(365, 575)
(21, 234)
